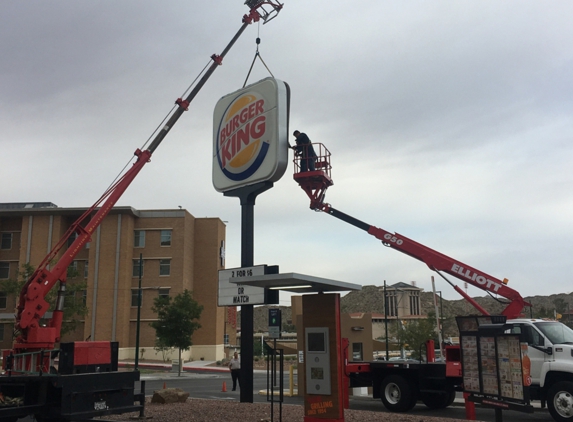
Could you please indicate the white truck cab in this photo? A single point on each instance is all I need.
(550, 350)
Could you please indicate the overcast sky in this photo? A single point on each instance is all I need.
(449, 122)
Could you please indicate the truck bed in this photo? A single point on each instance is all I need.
(70, 397)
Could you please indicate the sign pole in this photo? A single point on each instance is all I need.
(247, 196)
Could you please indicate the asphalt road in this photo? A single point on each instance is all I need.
(209, 385)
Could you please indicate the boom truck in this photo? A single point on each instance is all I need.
(400, 385)
(80, 380)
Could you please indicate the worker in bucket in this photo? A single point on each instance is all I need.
(305, 150)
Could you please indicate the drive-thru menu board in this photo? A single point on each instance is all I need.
(510, 367)
(491, 361)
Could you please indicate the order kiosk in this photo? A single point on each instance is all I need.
(322, 377)
(317, 362)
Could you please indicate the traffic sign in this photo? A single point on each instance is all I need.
(275, 323)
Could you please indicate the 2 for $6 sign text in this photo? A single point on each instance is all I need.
(232, 295)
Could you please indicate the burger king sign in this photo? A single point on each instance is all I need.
(250, 135)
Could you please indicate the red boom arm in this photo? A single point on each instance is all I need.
(32, 305)
(439, 262)
(315, 183)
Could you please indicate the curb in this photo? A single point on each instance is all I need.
(167, 368)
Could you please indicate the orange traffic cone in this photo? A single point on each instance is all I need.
(224, 390)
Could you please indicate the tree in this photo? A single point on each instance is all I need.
(177, 320)
(561, 305)
(416, 332)
(75, 309)
(542, 312)
(258, 346)
(162, 348)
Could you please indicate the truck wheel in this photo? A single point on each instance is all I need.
(560, 401)
(397, 394)
(438, 400)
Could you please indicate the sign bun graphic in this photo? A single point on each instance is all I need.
(250, 135)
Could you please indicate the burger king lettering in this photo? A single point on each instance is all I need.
(250, 135)
(241, 147)
(242, 117)
(230, 147)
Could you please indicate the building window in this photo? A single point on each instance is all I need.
(164, 266)
(163, 292)
(86, 269)
(72, 238)
(357, 352)
(84, 297)
(3, 300)
(225, 339)
(414, 303)
(135, 297)
(6, 241)
(139, 239)
(1, 332)
(165, 237)
(135, 271)
(392, 304)
(69, 299)
(73, 269)
(4, 270)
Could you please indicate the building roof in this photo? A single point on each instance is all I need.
(42, 208)
(403, 286)
(26, 205)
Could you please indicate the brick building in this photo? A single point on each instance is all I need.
(179, 252)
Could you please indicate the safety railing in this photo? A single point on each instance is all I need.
(311, 158)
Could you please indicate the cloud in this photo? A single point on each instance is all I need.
(449, 122)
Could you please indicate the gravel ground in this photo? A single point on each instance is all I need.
(199, 410)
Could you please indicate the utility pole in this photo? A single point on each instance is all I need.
(438, 326)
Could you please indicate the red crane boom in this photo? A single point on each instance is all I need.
(315, 183)
(32, 306)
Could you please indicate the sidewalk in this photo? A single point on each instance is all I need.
(201, 365)
(191, 368)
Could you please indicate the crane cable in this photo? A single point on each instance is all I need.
(257, 54)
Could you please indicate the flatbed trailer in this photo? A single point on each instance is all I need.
(401, 384)
(73, 397)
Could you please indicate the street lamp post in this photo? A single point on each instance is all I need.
(439, 328)
(138, 313)
(442, 317)
(386, 320)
